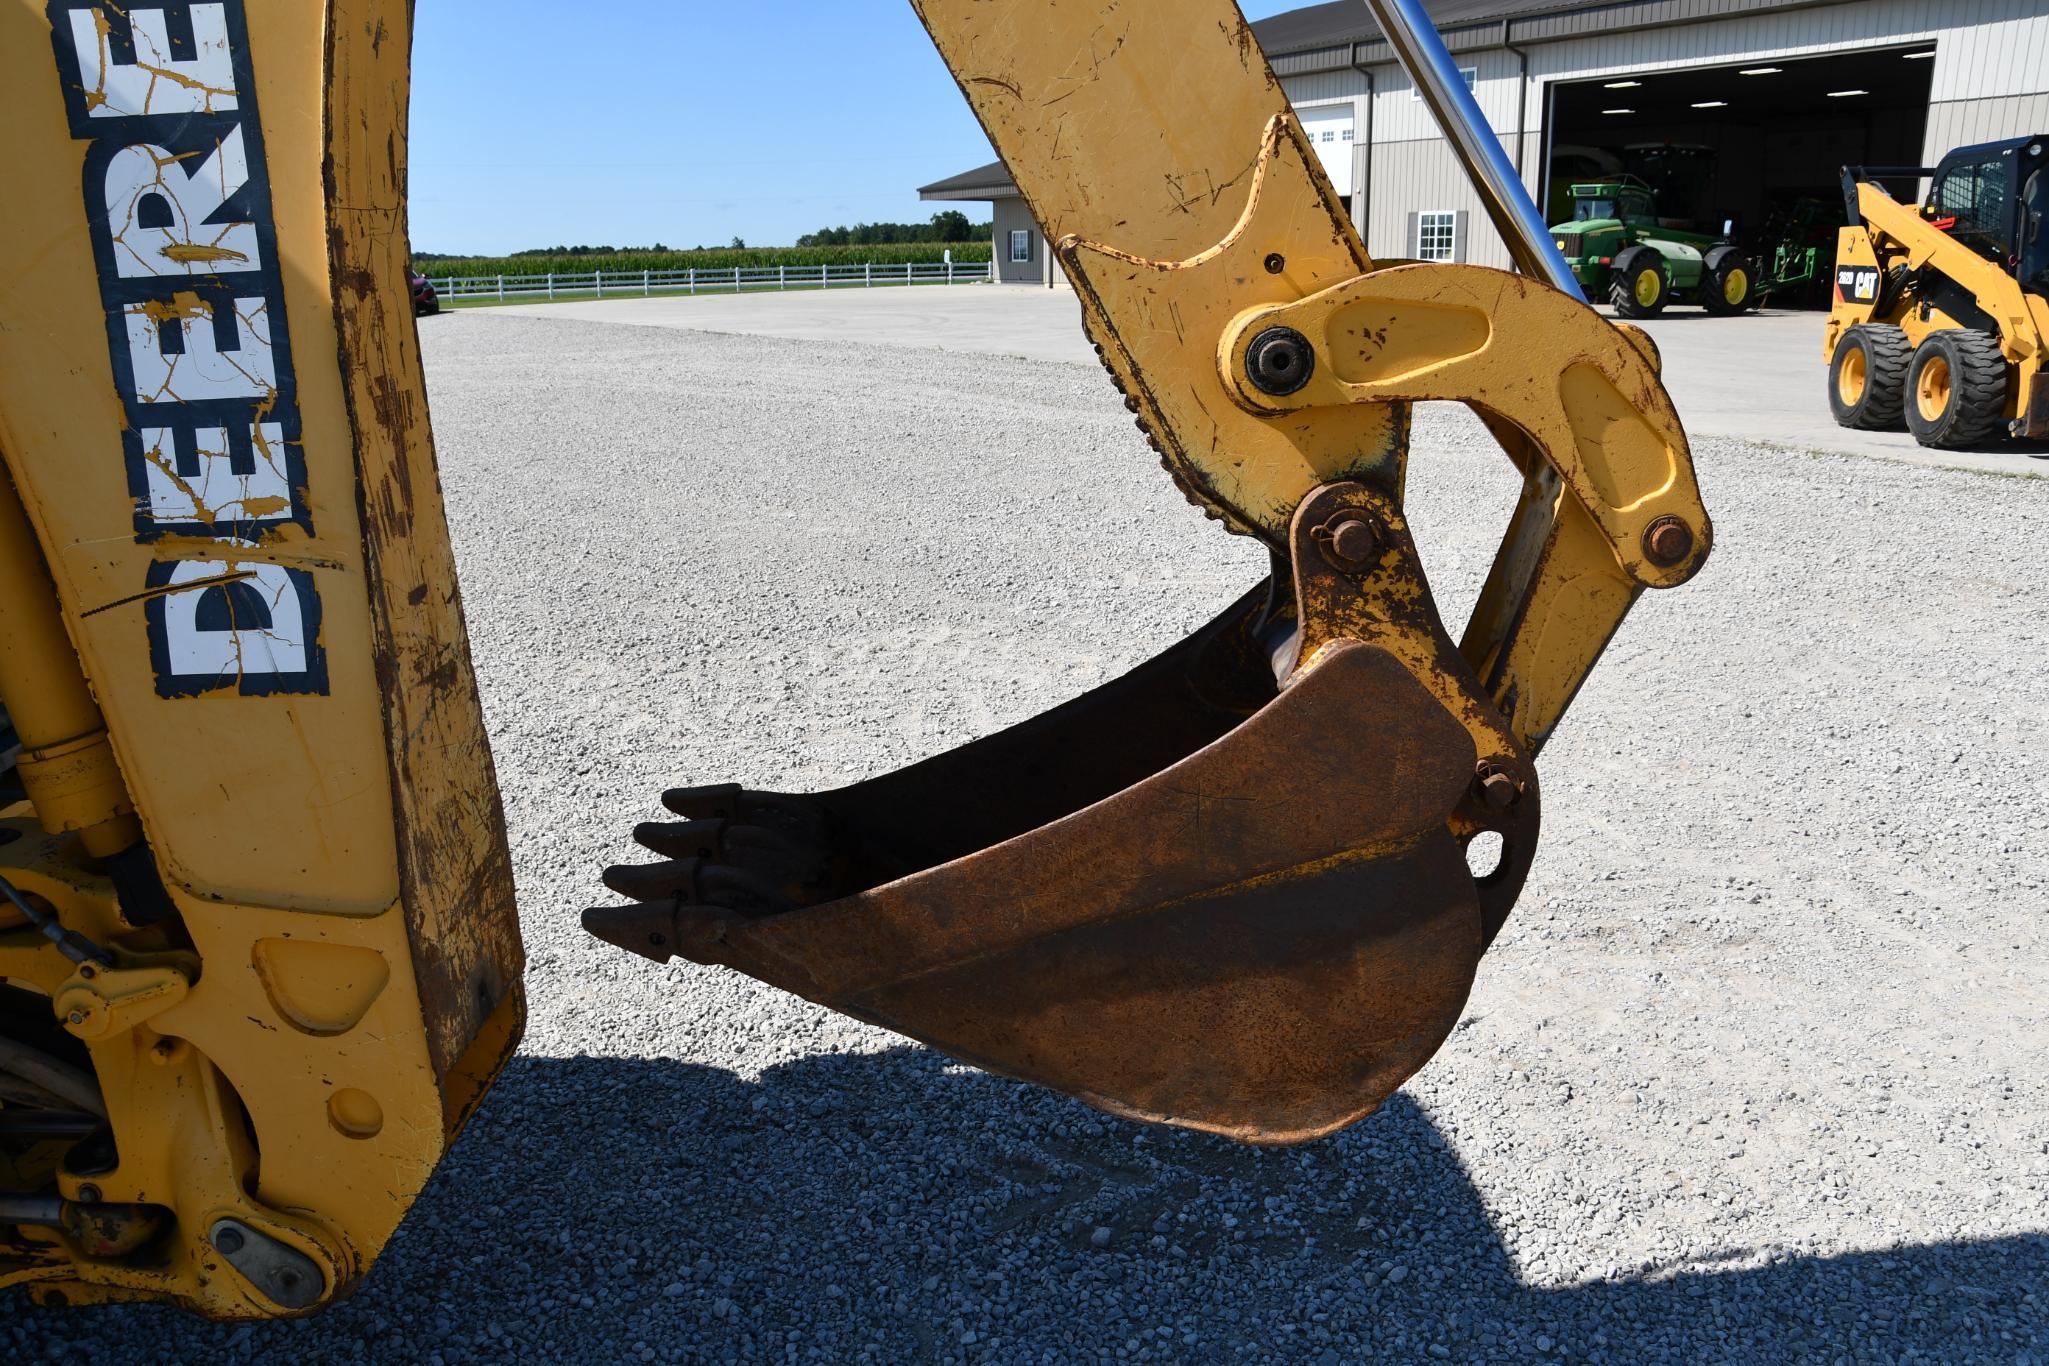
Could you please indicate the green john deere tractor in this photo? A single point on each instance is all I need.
(1619, 252)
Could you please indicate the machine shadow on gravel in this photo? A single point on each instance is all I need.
(881, 1199)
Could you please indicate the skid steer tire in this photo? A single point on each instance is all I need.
(1729, 285)
(1639, 286)
(1867, 380)
(1956, 389)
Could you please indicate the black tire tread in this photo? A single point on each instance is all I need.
(1711, 286)
(1887, 354)
(1977, 410)
(1622, 298)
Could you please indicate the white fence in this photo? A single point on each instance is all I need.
(734, 280)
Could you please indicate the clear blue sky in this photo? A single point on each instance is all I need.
(683, 123)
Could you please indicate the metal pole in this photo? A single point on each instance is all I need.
(1422, 53)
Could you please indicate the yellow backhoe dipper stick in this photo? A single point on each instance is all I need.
(1225, 892)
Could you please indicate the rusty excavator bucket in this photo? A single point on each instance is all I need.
(1230, 890)
(1192, 896)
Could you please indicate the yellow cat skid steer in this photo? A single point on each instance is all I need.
(257, 934)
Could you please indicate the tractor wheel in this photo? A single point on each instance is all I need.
(1956, 389)
(1729, 286)
(1867, 380)
(1639, 286)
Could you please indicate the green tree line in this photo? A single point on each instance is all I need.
(948, 226)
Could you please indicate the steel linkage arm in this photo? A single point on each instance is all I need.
(1610, 505)
(1626, 514)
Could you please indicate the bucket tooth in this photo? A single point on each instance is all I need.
(643, 927)
(798, 816)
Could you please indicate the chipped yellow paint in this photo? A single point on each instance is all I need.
(186, 252)
(184, 304)
(323, 819)
(1599, 416)
(96, 97)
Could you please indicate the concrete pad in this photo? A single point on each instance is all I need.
(1758, 377)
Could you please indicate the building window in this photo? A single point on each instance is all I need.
(1329, 135)
(1020, 244)
(1469, 74)
(1437, 236)
(1347, 136)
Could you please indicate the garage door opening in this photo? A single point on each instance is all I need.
(1758, 147)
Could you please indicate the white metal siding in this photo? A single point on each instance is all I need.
(1421, 177)
(1959, 123)
(1990, 80)
(1324, 85)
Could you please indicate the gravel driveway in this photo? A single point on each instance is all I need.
(1755, 1071)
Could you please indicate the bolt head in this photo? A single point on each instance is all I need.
(1667, 541)
(1355, 542)
(1279, 361)
(228, 1240)
(88, 1194)
(1498, 785)
(1275, 263)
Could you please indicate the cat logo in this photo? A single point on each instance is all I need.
(1857, 284)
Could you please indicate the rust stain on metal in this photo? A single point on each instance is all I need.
(455, 869)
